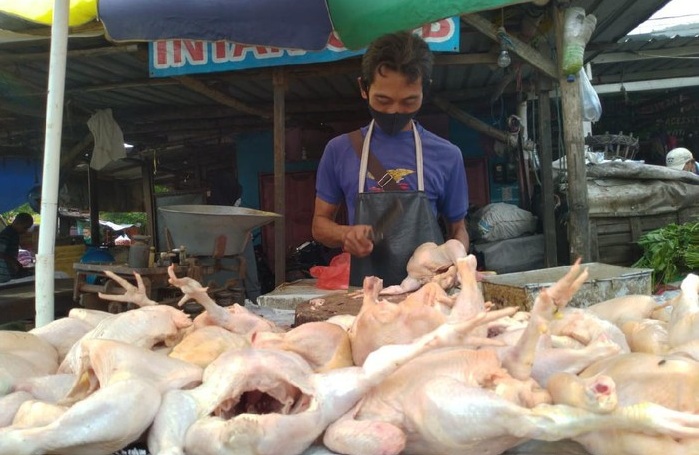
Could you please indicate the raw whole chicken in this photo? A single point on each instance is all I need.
(683, 326)
(23, 356)
(668, 381)
(431, 262)
(235, 318)
(63, 333)
(9, 405)
(205, 344)
(268, 402)
(629, 307)
(100, 424)
(51, 388)
(144, 327)
(114, 379)
(463, 401)
(324, 345)
(381, 322)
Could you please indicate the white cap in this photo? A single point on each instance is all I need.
(677, 158)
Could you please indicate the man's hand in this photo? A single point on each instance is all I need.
(357, 241)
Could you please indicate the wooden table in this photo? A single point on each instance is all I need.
(90, 278)
(18, 299)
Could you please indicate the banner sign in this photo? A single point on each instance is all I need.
(179, 57)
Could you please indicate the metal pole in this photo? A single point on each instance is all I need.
(45, 257)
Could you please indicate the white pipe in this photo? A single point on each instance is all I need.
(657, 84)
(45, 257)
(522, 114)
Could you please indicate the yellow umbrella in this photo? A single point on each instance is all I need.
(41, 11)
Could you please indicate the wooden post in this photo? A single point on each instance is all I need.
(571, 103)
(94, 207)
(546, 158)
(279, 81)
(149, 201)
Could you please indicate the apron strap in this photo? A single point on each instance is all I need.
(373, 164)
(365, 158)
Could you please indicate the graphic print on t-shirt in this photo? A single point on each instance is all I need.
(396, 174)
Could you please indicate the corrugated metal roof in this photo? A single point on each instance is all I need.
(155, 112)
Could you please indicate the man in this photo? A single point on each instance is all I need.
(424, 174)
(681, 159)
(9, 247)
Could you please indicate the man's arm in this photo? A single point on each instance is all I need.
(352, 239)
(457, 230)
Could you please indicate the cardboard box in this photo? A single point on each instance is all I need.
(65, 256)
(605, 282)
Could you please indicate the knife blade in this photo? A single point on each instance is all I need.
(386, 221)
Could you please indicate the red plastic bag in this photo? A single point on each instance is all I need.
(333, 276)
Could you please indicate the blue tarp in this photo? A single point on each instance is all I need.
(298, 24)
(17, 177)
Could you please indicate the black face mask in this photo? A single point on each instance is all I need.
(391, 124)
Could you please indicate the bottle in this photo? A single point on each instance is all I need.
(183, 255)
(138, 252)
(151, 257)
(577, 31)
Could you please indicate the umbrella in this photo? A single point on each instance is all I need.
(301, 24)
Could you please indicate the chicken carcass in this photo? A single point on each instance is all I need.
(10, 404)
(684, 320)
(22, 356)
(63, 333)
(114, 399)
(463, 401)
(98, 425)
(431, 263)
(324, 345)
(668, 381)
(628, 307)
(235, 318)
(50, 388)
(133, 294)
(381, 322)
(144, 327)
(201, 346)
(269, 402)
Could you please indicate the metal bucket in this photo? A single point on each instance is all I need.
(206, 230)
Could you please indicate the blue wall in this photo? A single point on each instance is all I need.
(255, 156)
(470, 143)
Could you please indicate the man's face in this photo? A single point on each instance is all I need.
(689, 166)
(391, 93)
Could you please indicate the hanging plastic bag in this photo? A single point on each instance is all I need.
(333, 276)
(592, 107)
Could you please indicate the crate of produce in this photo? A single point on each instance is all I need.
(604, 282)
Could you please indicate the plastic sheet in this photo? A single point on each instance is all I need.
(335, 275)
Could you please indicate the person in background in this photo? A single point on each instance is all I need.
(681, 159)
(424, 172)
(10, 267)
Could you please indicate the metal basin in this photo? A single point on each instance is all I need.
(213, 230)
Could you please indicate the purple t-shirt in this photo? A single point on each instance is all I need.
(443, 168)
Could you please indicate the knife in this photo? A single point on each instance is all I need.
(386, 221)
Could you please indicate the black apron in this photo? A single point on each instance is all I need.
(416, 225)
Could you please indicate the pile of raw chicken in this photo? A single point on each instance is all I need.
(438, 373)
